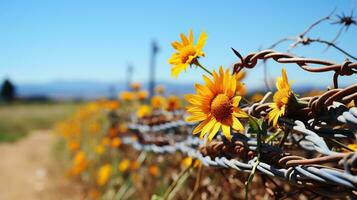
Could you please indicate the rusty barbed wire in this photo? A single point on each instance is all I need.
(330, 170)
(250, 61)
(345, 21)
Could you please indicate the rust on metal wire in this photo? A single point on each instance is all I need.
(250, 61)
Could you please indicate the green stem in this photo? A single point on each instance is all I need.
(173, 185)
(270, 138)
(256, 163)
(197, 184)
(282, 141)
(340, 144)
(201, 66)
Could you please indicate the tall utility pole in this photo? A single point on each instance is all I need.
(154, 51)
(129, 74)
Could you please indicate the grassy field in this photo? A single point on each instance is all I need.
(16, 120)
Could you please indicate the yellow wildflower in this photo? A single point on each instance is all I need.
(112, 105)
(241, 90)
(158, 102)
(73, 145)
(112, 132)
(94, 127)
(186, 52)
(126, 96)
(153, 170)
(257, 97)
(160, 89)
(352, 146)
(281, 98)
(93, 193)
(104, 174)
(99, 149)
(134, 165)
(123, 128)
(142, 95)
(173, 103)
(124, 165)
(135, 86)
(143, 111)
(79, 163)
(216, 105)
(189, 161)
(105, 141)
(116, 142)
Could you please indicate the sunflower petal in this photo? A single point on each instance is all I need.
(214, 131)
(227, 131)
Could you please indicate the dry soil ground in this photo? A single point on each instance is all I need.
(29, 171)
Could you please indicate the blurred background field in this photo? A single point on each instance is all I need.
(19, 118)
(75, 75)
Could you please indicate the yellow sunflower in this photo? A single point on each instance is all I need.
(173, 103)
(216, 105)
(240, 88)
(104, 174)
(142, 95)
(135, 86)
(160, 89)
(158, 102)
(143, 111)
(186, 53)
(281, 99)
(126, 96)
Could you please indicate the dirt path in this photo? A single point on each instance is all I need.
(28, 171)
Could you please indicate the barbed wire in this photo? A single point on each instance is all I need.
(296, 170)
(250, 61)
(345, 21)
(296, 173)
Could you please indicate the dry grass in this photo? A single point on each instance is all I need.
(19, 118)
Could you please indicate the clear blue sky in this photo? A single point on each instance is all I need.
(43, 40)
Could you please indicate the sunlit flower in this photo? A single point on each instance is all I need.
(99, 149)
(173, 103)
(142, 95)
(158, 102)
(112, 132)
(94, 127)
(282, 98)
(80, 163)
(93, 193)
(74, 145)
(186, 53)
(135, 86)
(241, 90)
(153, 170)
(116, 142)
(126, 96)
(352, 146)
(123, 128)
(216, 105)
(105, 141)
(112, 105)
(143, 111)
(104, 174)
(257, 97)
(160, 89)
(189, 161)
(134, 165)
(124, 165)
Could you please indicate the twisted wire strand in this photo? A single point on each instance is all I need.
(298, 170)
(309, 133)
(250, 61)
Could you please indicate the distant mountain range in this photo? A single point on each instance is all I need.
(78, 89)
(87, 89)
